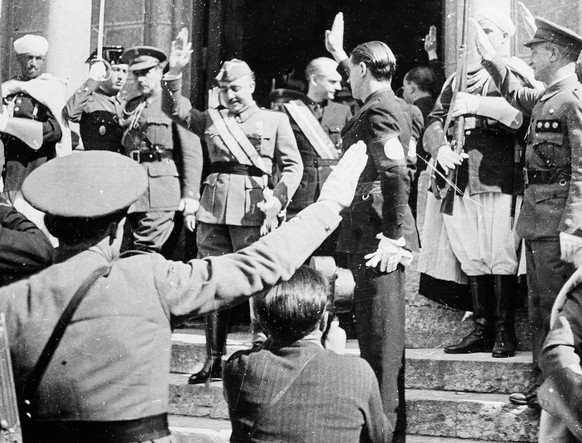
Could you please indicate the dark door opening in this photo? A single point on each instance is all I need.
(282, 34)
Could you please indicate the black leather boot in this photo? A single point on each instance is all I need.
(216, 332)
(481, 338)
(505, 306)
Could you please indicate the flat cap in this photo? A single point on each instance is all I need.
(548, 31)
(233, 70)
(143, 57)
(111, 54)
(85, 184)
(31, 44)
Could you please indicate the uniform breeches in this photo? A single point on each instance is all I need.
(480, 234)
(379, 303)
(148, 231)
(546, 274)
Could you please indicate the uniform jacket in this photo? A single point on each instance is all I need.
(24, 249)
(383, 116)
(335, 398)
(169, 180)
(489, 144)
(113, 362)
(554, 140)
(98, 115)
(21, 160)
(333, 118)
(232, 199)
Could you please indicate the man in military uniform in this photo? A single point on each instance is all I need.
(30, 123)
(171, 156)
(378, 226)
(550, 219)
(480, 229)
(317, 122)
(97, 105)
(107, 379)
(244, 146)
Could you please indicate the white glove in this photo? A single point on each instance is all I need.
(482, 43)
(449, 159)
(271, 206)
(340, 187)
(189, 208)
(98, 71)
(389, 254)
(10, 87)
(465, 104)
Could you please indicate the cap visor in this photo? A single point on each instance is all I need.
(533, 41)
(143, 65)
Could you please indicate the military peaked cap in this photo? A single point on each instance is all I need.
(551, 32)
(143, 57)
(85, 184)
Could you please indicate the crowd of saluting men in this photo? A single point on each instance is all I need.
(90, 335)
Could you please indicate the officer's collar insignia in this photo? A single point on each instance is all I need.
(548, 126)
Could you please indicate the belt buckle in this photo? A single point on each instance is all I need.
(135, 155)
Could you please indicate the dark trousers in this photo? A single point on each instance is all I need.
(215, 240)
(546, 274)
(379, 303)
(147, 231)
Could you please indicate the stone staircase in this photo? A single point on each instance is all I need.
(450, 398)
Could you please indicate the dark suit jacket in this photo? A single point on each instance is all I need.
(382, 117)
(334, 399)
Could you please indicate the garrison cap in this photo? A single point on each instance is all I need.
(233, 70)
(111, 54)
(553, 33)
(143, 57)
(87, 184)
(31, 44)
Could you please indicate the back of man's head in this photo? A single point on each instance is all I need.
(378, 57)
(423, 77)
(293, 309)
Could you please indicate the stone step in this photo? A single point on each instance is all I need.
(488, 417)
(202, 430)
(426, 368)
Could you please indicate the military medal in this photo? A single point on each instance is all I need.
(102, 129)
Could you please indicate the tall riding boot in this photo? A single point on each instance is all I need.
(216, 332)
(481, 338)
(505, 306)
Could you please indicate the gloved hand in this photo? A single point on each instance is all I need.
(465, 104)
(334, 39)
(482, 43)
(449, 159)
(389, 254)
(98, 71)
(189, 208)
(271, 206)
(10, 87)
(340, 187)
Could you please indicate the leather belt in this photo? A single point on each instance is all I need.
(235, 168)
(126, 431)
(318, 162)
(143, 155)
(546, 176)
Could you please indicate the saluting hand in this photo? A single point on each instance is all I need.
(482, 43)
(334, 39)
(430, 43)
(529, 20)
(180, 53)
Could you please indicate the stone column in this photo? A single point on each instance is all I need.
(69, 33)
